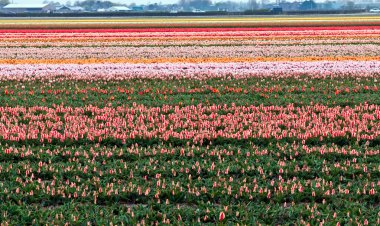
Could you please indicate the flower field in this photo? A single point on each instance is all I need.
(190, 121)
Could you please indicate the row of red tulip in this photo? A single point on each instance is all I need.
(210, 29)
(186, 34)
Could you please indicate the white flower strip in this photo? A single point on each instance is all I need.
(202, 71)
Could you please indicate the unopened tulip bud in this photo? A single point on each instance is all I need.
(222, 216)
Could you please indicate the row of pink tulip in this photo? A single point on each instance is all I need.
(75, 187)
(202, 71)
(195, 123)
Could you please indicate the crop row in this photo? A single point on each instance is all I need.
(204, 41)
(192, 123)
(196, 38)
(201, 23)
(212, 179)
(178, 33)
(189, 52)
(300, 91)
(58, 31)
(125, 71)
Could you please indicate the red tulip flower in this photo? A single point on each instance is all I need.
(221, 216)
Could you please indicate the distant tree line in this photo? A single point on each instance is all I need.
(194, 3)
(94, 4)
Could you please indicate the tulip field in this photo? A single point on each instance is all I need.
(219, 121)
